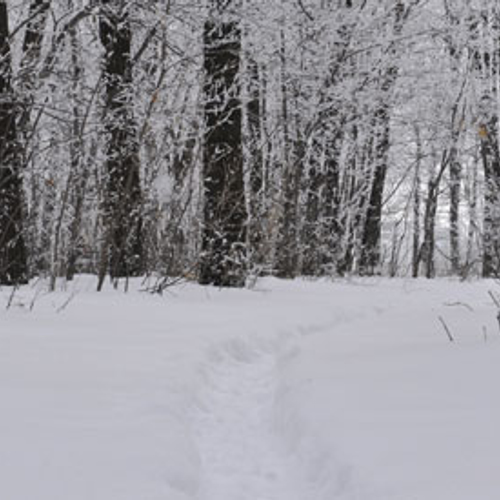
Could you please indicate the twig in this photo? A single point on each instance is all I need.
(446, 329)
(305, 11)
(11, 297)
(65, 303)
(35, 297)
(145, 43)
(462, 304)
(164, 283)
(494, 298)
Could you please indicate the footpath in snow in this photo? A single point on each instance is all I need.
(251, 445)
(241, 457)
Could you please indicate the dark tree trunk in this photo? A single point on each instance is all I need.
(321, 231)
(223, 259)
(32, 47)
(370, 244)
(256, 167)
(416, 208)
(426, 254)
(287, 252)
(311, 262)
(490, 153)
(455, 171)
(486, 63)
(429, 243)
(286, 248)
(331, 230)
(122, 253)
(13, 262)
(371, 239)
(78, 172)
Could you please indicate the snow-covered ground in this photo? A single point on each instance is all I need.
(288, 391)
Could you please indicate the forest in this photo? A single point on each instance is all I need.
(301, 199)
(223, 139)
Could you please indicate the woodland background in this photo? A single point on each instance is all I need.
(223, 139)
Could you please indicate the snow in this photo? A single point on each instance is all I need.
(241, 456)
(292, 390)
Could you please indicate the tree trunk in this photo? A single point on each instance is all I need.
(429, 243)
(455, 172)
(32, 48)
(223, 259)
(256, 159)
(286, 250)
(13, 261)
(472, 202)
(416, 207)
(370, 244)
(79, 170)
(426, 254)
(455, 167)
(123, 198)
(490, 154)
(311, 261)
(371, 239)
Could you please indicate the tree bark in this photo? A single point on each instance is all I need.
(416, 207)
(256, 166)
(429, 243)
(32, 48)
(426, 254)
(123, 197)
(286, 248)
(224, 252)
(13, 258)
(490, 155)
(455, 173)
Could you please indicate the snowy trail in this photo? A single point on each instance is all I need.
(242, 458)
